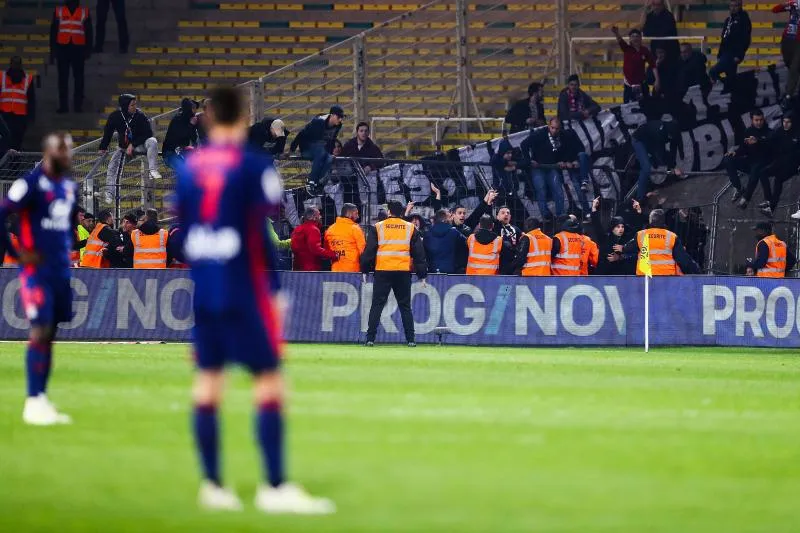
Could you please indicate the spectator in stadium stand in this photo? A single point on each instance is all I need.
(283, 245)
(648, 142)
(181, 134)
(101, 237)
(121, 255)
(590, 253)
(504, 171)
(567, 250)
(689, 226)
(70, 46)
(150, 243)
(268, 136)
(307, 243)
(135, 138)
(666, 86)
(657, 21)
(752, 156)
(611, 261)
(316, 142)
(667, 253)
(484, 248)
(527, 113)
(692, 70)
(465, 224)
(122, 24)
(175, 240)
(511, 235)
(444, 244)
(346, 239)
(17, 101)
(362, 146)
(534, 255)
(202, 133)
(81, 233)
(790, 47)
(784, 145)
(736, 35)
(772, 259)
(574, 104)
(636, 59)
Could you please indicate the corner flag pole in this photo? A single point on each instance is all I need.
(646, 314)
(646, 268)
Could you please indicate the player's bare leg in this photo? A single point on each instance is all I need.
(207, 396)
(38, 410)
(278, 495)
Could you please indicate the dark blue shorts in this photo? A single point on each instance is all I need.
(241, 337)
(45, 301)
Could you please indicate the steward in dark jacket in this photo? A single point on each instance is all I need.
(444, 245)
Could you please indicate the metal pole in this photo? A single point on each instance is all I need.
(359, 80)
(561, 39)
(257, 95)
(462, 64)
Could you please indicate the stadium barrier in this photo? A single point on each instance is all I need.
(153, 305)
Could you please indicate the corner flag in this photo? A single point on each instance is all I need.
(644, 256)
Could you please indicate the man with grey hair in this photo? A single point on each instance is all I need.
(668, 257)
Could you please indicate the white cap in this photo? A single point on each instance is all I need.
(277, 128)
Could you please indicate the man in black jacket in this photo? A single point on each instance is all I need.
(612, 262)
(649, 141)
(121, 255)
(736, 33)
(527, 113)
(692, 70)
(784, 144)
(751, 157)
(316, 142)
(181, 134)
(511, 235)
(135, 137)
(268, 136)
(657, 219)
(574, 104)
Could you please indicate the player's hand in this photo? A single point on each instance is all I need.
(29, 257)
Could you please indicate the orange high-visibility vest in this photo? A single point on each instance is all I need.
(70, 25)
(590, 255)
(776, 263)
(484, 259)
(568, 260)
(346, 239)
(662, 242)
(8, 260)
(394, 244)
(149, 251)
(539, 252)
(93, 253)
(14, 96)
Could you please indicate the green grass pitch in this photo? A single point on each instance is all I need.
(436, 439)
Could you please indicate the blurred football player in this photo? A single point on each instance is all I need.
(45, 202)
(224, 194)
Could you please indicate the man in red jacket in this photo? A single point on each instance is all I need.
(307, 243)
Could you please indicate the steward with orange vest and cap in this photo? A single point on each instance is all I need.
(150, 243)
(70, 45)
(393, 250)
(535, 250)
(772, 259)
(102, 237)
(568, 250)
(484, 249)
(17, 101)
(668, 257)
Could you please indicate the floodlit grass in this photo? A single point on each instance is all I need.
(447, 439)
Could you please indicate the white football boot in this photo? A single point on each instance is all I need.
(216, 498)
(39, 411)
(291, 499)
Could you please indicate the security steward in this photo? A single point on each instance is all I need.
(534, 256)
(149, 243)
(590, 256)
(346, 238)
(70, 46)
(392, 250)
(668, 257)
(771, 259)
(101, 237)
(567, 250)
(17, 101)
(484, 248)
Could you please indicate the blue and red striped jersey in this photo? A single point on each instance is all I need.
(224, 195)
(46, 210)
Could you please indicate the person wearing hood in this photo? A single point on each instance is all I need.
(316, 142)
(612, 262)
(485, 248)
(504, 170)
(527, 113)
(150, 243)
(135, 138)
(784, 144)
(307, 243)
(444, 245)
(268, 136)
(17, 101)
(70, 46)
(181, 134)
(363, 146)
(668, 257)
